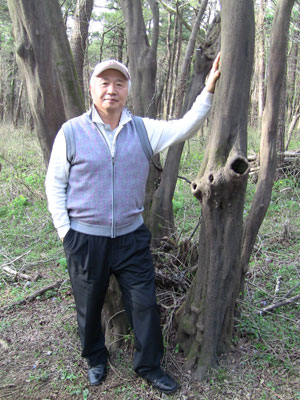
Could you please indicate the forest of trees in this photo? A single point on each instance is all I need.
(47, 52)
(106, 38)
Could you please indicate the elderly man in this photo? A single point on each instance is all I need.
(95, 186)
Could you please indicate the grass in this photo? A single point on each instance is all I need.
(39, 346)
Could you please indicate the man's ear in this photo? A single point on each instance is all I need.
(90, 91)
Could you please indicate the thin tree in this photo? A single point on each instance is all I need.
(261, 57)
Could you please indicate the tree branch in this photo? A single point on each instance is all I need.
(159, 168)
(33, 296)
(281, 303)
(291, 291)
(174, 12)
(17, 274)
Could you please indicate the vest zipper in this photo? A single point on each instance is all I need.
(113, 229)
(112, 153)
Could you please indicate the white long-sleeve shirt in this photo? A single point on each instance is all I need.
(162, 134)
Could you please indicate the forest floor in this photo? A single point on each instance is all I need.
(39, 347)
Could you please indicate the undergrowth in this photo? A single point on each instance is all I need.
(39, 346)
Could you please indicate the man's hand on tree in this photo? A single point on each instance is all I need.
(213, 75)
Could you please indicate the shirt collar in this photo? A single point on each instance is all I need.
(95, 116)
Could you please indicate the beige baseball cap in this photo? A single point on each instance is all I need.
(110, 64)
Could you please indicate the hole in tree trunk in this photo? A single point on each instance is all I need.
(211, 178)
(196, 191)
(239, 166)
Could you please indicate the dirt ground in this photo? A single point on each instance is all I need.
(40, 360)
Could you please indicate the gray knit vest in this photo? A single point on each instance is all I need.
(105, 195)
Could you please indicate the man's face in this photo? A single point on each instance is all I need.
(109, 92)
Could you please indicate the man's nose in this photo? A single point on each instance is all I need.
(111, 88)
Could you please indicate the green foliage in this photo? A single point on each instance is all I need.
(27, 232)
(103, 42)
(6, 38)
(63, 262)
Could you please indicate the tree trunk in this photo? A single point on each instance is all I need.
(120, 43)
(170, 44)
(258, 82)
(292, 70)
(176, 68)
(161, 222)
(143, 66)
(142, 56)
(114, 320)
(261, 58)
(12, 95)
(280, 145)
(79, 36)
(44, 57)
(292, 127)
(268, 155)
(205, 320)
(18, 108)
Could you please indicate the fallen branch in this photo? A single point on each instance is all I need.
(278, 284)
(273, 306)
(15, 259)
(291, 291)
(33, 296)
(17, 274)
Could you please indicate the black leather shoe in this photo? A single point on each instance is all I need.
(164, 383)
(97, 374)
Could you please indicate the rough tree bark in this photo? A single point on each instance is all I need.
(205, 320)
(44, 57)
(79, 36)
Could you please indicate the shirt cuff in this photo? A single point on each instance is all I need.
(63, 230)
(206, 96)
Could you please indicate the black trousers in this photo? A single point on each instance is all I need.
(91, 260)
